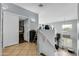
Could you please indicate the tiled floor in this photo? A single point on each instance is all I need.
(63, 52)
(24, 49)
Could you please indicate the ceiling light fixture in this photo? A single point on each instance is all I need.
(40, 5)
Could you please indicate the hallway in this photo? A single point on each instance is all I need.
(24, 49)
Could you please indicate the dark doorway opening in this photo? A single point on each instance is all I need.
(33, 36)
(21, 31)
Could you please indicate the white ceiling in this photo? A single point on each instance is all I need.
(52, 12)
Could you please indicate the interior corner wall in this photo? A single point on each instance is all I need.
(10, 29)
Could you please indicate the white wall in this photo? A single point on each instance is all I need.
(78, 29)
(73, 32)
(26, 30)
(0, 31)
(10, 29)
(78, 36)
(28, 25)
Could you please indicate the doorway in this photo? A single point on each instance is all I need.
(21, 31)
(33, 36)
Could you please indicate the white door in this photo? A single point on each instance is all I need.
(10, 29)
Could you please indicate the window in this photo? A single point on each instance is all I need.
(67, 27)
(66, 36)
(67, 41)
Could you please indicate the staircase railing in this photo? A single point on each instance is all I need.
(45, 38)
